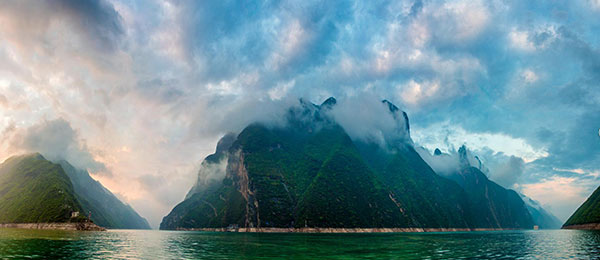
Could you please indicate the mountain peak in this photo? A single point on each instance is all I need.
(463, 157)
(393, 108)
(225, 142)
(328, 103)
(437, 152)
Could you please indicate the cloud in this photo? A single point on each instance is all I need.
(443, 164)
(365, 117)
(507, 173)
(95, 20)
(57, 140)
(166, 79)
(3, 101)
(447, 136)
(560, 192)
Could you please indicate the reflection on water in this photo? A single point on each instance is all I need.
(130, 244)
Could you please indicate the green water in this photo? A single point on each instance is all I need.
(130, 244)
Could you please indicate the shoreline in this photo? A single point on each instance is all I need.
(72, 226)
(588, 226)
(341, 230)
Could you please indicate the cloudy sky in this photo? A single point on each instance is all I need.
(138, 92)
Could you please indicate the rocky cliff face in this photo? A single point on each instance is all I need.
(311, 173)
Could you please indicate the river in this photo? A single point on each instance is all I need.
(152, 244)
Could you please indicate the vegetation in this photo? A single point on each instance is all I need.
(34, 190)
(106, 209)
(588, 212)
(491, 204)
(309, 172)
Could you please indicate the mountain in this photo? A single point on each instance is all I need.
(34, 190)
(492, 201)
(541, 217)
(106, 209)
(310, 172)
(493, 204)
(587, 216)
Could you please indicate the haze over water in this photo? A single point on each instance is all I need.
(134, 244)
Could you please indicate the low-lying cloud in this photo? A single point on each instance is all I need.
(152, 87)
(57, 140)
(365, 117)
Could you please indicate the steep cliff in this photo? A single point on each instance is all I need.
(105, 208)
(310, 172)
(34, 190)
(587, 216)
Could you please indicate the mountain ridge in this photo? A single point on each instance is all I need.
(309, 172)
(587, 216)
(36, 190)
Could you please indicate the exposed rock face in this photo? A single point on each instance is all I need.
(311, 174)
(80, 226)
(589, 226)
(340, 230)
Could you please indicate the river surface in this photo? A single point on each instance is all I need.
(133, 244)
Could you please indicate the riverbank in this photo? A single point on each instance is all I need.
(340, 230)
(75, 226)
(590, 226)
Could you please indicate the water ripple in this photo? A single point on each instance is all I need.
(134, 244)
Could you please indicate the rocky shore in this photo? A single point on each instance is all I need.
(81, 226)
(589, 226)
(338, 230)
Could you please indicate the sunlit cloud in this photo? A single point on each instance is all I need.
(149, 88)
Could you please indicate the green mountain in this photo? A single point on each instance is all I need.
(310, 172)
(106, 209)
(34, 190)
(587, 215)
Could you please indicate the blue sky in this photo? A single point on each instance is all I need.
(138, 92)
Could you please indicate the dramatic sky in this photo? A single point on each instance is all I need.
(139, 92)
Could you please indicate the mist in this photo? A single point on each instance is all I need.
(56, 140)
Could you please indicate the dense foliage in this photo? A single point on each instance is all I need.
(34, 190)
(588, 212)
(309, 172)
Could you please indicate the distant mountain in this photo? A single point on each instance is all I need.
(309, 172)
(493, 204)
(106, 209)
(587, 216)
(541, 217)
(34, 190)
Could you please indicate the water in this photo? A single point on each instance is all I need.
(132, 244)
